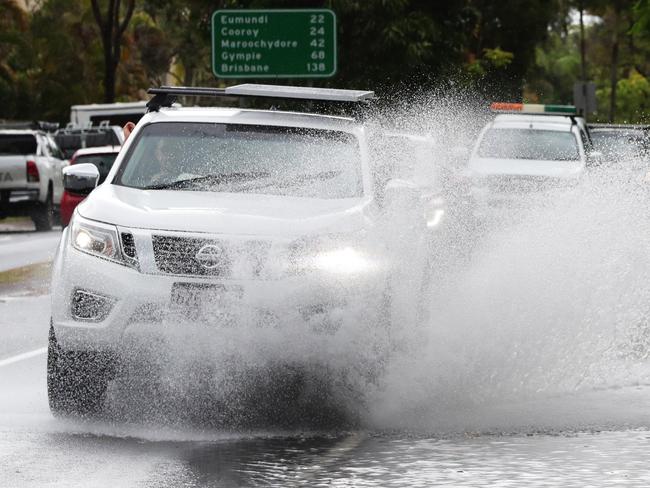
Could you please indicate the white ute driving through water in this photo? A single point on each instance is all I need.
(526, 152)
(216, 217)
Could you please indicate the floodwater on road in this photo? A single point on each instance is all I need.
(533, 372)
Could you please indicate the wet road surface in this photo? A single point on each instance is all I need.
(593, 437)
(608, 448)
(21, 246)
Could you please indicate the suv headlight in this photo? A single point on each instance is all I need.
(344, 260)
(98, 239)
(331, 255)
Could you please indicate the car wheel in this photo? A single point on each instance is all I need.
(76, 381)
(43, 217)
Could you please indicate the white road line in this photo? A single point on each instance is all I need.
(23, 356)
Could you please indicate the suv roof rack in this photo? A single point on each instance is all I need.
(165, 96)
(30, 125)
(643, 127)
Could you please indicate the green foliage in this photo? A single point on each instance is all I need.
(556, 68)
(493, 59)
(52, 57)
(633, 99)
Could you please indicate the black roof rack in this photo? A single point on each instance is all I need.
(29, 125)
(165, 96)
(643, 127)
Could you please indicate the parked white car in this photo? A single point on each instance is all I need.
(526, 154)
(31, 179)
(219, 216)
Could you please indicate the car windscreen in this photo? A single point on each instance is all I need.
(102, 161)
(17, 144)
(620, 145)
(238, 158)
(535, 144)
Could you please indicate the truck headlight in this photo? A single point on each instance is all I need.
(98, 239)
(331, 255)
(346, 260)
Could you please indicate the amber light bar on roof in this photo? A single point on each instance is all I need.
(532, 108)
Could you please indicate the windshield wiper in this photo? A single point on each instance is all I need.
(215, 179)
(287, 182)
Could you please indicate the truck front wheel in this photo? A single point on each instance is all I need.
(76, 380)
(43, 215)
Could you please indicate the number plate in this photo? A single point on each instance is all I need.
(213, 303)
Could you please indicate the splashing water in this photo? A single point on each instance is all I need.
(549, 300)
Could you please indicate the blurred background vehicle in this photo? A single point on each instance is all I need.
(73, 137)
(528, 150)
(623, 146)
(108, 113)
(31, 181)
(103, 158)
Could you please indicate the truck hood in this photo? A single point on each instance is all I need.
(520, 167)
(225, 213)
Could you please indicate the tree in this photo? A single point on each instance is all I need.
(111, 31)
(513, 26)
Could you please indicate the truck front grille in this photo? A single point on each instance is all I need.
(191, 256)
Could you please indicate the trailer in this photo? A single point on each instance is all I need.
(114, 113)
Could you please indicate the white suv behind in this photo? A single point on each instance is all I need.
(526, 155)
(216, 217)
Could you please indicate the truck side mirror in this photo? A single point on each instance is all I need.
(80, 178)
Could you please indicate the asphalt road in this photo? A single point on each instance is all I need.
(594, 436)
(21, 246)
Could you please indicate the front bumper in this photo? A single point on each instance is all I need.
(141, 308)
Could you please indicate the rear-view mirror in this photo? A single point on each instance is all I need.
(80, 178)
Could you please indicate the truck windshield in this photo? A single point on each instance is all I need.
(543, 145)
(17, 144)
(237, 158)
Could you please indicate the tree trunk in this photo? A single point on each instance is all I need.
(111, 30)
(613, 76)
(583, 56)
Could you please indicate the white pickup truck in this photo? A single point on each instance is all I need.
(31, 180)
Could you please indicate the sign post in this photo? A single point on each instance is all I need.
(278, 43)
(584, 97)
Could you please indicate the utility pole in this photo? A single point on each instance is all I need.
(613, 75)
(583, 56)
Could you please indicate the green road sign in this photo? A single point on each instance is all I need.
(278, 43)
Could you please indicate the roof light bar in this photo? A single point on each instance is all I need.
(299, 92)
(532, 108)
(165, 96)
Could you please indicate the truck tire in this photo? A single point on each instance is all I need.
(43, 215)
(76, 381)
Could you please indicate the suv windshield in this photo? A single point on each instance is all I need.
(17, 144)
(545, 145)
(102, 161)
(239, 158)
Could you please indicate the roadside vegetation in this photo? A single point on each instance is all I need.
(56, 53)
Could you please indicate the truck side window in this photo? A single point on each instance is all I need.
(54, 149)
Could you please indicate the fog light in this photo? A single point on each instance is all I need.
(89, 306)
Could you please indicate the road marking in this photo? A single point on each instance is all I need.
(23, 356)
